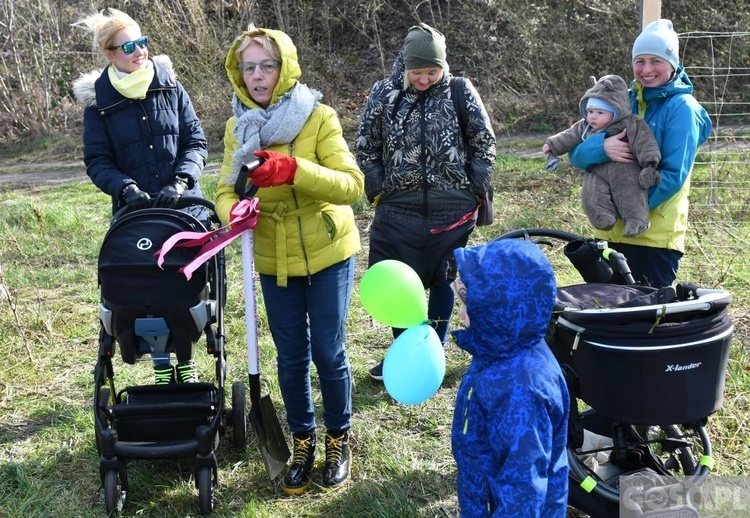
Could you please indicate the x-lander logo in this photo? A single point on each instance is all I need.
(675, 367)
(144, 243)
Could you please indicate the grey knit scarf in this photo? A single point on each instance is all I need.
(258, 128)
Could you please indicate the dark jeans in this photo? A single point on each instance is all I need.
(401, 232)
(650, 266)
(307, 320)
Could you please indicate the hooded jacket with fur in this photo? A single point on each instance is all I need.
(148, 142)
(615, 190)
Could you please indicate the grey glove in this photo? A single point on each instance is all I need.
(171, 194)
(134, 197)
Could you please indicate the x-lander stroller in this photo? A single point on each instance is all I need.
(145, 309)
(645, 367)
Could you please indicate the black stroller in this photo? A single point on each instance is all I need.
(645, 367)
(145, 309)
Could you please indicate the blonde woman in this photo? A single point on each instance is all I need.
(143, 144)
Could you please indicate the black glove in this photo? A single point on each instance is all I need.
(171, 194)
(134, 197)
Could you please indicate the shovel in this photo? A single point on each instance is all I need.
(263, 418)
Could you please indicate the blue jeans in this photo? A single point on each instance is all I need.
(650, 266)
(308, 324)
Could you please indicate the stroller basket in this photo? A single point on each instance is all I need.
(641, 355)
(172, 413)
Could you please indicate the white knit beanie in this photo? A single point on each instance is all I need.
(659, 39)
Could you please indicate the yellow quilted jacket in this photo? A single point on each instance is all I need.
(308, 226)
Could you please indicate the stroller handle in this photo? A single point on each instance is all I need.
(185, 201)
(589, 262)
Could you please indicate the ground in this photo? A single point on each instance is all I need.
(31, 176)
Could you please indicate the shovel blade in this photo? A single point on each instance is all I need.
(271, 441)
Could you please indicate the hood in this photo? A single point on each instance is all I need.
(85, 93)
(290, 70)
(398, 70)
(611, 89)
(510, 293)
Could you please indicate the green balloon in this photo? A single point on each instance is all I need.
(392, 293)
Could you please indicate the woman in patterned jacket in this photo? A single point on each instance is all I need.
(411, 149)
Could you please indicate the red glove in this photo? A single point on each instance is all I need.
(277, 169)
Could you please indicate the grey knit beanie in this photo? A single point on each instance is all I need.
(424, 47)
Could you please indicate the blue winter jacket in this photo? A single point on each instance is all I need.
(510, 422)
(680, 125)
(148, 142)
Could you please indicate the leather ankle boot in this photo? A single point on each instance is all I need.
(297, 479)
(338, 459)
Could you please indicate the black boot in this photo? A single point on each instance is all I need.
(297, 479)
(338, 459)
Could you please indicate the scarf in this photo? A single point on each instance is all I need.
(280, 123)
(133, 85)
(638, 87)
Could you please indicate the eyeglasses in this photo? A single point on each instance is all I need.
(129, 46)
(267, 66)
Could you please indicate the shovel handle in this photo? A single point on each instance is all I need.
(251, 317)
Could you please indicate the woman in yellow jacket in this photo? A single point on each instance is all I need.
(305, 239)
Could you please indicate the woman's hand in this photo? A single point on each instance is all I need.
(618, 149)
(276, 169)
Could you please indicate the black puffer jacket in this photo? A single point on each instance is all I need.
(147, 141)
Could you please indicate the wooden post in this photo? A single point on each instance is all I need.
(650, 11)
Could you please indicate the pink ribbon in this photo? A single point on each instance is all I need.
(242, 217)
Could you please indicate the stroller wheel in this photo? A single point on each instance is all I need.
(205, 489)
(239, 416)
(114, 496)
(677, 446)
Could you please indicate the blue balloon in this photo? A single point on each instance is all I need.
(414, 365)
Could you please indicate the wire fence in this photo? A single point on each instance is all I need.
(720, 188)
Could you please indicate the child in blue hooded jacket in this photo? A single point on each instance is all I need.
(510, 422)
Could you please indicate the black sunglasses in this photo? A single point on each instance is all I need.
(129, 46)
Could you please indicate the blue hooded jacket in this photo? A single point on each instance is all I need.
(510, 422)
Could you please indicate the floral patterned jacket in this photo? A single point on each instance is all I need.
(410, 140)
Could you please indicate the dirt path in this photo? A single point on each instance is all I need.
(43, 175)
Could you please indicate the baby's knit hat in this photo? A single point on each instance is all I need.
(600, 104)
(659, 39)
(424, 47)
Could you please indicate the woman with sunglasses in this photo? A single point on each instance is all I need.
(142, 141)
(305, 239)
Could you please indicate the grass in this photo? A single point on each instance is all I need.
(403, 465)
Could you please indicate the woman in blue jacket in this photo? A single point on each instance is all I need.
(142, 141)
(660, 93)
